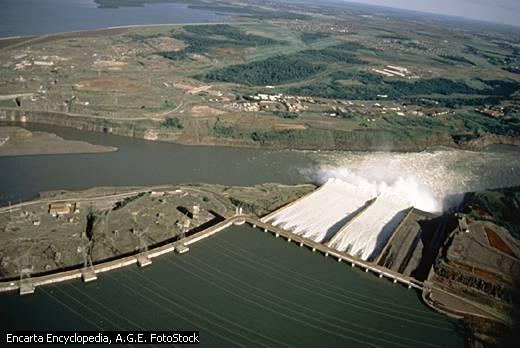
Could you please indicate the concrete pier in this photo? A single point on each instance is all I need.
(26, 287)
(143, 260)
(88, 275)
(239, 221)
(181, 249)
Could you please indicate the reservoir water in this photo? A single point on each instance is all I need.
(241, 288)
(31, 17)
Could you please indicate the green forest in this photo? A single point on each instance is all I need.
(201, 38)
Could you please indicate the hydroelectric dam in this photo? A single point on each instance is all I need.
(382, 234)
(246, 282)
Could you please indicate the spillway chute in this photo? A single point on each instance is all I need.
(322, 213)
(345, 217)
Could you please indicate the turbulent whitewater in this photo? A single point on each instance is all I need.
(349, 218)
(321, 214)
(363, 197)
(365, 235)
(433, 181)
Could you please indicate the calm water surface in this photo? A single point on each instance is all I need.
(30, 17)
(242, 288)
(141, 162)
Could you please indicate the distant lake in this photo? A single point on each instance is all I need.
(31, 17)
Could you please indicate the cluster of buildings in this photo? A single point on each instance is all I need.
(57, 209)
(45, 61)
(277, 101)
(393, 71)
(495, 112)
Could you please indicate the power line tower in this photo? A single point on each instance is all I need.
(26, 283)
(88, 273)
(142, 258)
(143, 243)
(239, 215)
(140, 234)
(185, 226)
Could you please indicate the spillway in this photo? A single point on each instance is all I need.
(346, 217)
(368, 232)
(321, 214)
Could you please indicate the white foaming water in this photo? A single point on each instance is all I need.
(321, 214)
(365, 235)
(431, 181)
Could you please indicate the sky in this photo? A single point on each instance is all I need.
(500, 11)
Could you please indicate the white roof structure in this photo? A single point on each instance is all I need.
(321, 214)
(368, 232)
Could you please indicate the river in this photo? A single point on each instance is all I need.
(432, 177)
(141, 162)
(32, 17)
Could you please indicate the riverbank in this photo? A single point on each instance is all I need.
(16, 141)
(152, 129)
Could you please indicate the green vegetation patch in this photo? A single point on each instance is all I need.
(286, 68)
(457, 59)
(393, 37)
(373, 85)
(172, 122)
(10, 103)
(270, 71)
(339, 54)
(221, 130)
(271, 136)
(309, 37)
(200, 39)
(286, 114)
(478, 124)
